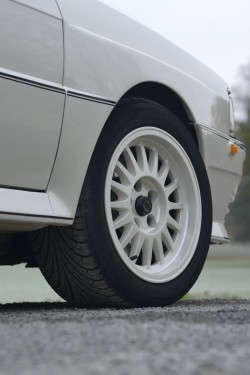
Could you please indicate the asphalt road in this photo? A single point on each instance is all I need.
(190, 337)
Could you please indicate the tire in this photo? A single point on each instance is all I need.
(143, 223)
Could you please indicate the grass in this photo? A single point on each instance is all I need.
(223, 278)
(220, 278)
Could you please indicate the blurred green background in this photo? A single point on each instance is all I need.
(226, 275)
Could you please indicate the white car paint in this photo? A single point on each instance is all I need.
(104, 55)
(31, 45)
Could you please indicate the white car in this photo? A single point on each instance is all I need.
(117, 154)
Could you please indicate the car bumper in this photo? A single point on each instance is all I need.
(224, 170)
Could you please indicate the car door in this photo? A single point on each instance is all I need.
(31, 92)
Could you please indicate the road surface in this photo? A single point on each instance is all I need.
(190, 337)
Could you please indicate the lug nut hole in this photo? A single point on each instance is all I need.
(151, 221)
(138, 186)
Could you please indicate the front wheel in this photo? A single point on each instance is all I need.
(143, 223)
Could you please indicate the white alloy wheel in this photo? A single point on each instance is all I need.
(153, 204)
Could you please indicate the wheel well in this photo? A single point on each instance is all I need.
(167, 98)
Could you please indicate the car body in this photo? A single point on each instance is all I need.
(64, 68)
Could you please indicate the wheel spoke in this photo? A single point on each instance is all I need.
(129, 232)
(136, 246)
(158, 249)
(173, 224)
(120, 205)
(163, 173)
(153, 161)
(171, 187)
(122, 220)
(131, 162)
(142, 157)
(119, 189)
(123, 173)
(167, 240)
(175, 205)
(147, 251)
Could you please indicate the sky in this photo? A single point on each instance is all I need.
(217, 32)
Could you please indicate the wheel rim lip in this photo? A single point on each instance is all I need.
(185, 252)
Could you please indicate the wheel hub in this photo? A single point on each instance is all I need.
(143, 205)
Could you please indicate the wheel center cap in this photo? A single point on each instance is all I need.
(143, 205)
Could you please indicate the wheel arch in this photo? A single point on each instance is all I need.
(166, 97)
(63, 200)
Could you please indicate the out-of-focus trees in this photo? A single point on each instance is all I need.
(238, 220)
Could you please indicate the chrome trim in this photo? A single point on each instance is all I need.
(30, 82)
(97, 99)
(222, 135)
(61, 90)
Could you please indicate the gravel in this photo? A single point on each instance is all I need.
(189, 337)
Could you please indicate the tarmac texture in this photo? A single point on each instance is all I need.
(189, 337)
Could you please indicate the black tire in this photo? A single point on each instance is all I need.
(80, 262)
